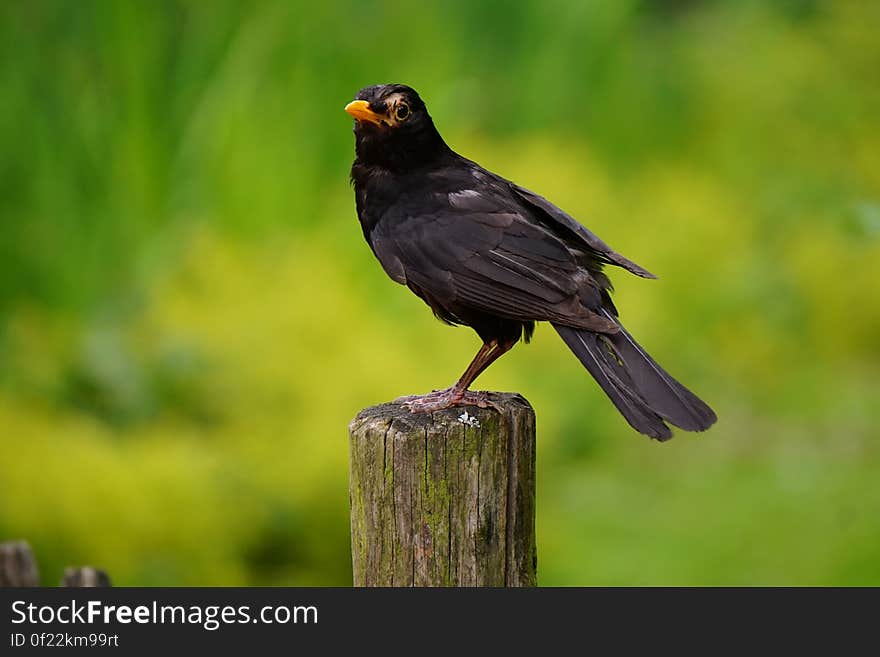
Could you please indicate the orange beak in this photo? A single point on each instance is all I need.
(360, 110)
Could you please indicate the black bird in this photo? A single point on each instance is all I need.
(484, 252)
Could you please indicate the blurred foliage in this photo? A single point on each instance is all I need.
(189, 316)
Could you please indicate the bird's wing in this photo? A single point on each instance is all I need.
(480, 251)
(560, 221)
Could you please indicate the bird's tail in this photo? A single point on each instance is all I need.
(644, 393)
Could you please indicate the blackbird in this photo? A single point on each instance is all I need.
(484, 252)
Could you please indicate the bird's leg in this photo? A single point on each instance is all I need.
(458, 394)
(485, 356)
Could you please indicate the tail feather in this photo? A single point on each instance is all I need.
(643, 392)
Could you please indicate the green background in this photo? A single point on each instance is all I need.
(189, 316)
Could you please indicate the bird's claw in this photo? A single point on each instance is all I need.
(439, 400)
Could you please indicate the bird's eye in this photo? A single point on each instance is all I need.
(402, 111)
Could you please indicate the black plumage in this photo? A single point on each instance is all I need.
(483, 252)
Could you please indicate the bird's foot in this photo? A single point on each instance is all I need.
(439, 400)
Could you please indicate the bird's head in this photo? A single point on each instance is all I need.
(393, 129)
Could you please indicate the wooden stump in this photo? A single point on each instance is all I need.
(17, 565)
(446, 498)
(85, 577)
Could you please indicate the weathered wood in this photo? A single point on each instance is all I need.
(85, 577)
(17, 565)
(446, 498)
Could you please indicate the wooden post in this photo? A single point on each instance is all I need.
(444, 498)
(17, 565)
(85, 577)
